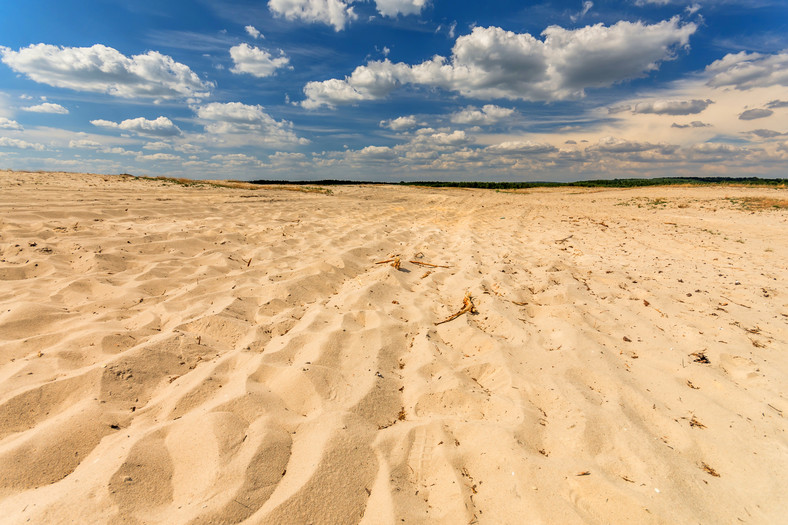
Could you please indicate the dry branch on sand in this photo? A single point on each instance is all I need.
(429, 265)
(467, 306)
(395, 262)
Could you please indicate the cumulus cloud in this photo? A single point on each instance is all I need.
(335, 13)
(160, 127)
(673, 107)
(525, 146)
(236, 159)
(714, 148)
(158, 157)
(493, 63)
(374, 153)
(102, 69)
(442, 138)
(393, 8)
(487, 115)
(400, 123)
(6, 123)
(616, 145)
(84, 144)
(753, 114)
(47, 107)
(157, 146)
(238, 118)
(745, 70)
(255, 61)
(693, 124)
(253, 32)
(8, 142)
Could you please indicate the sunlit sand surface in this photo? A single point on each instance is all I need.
(202, 354)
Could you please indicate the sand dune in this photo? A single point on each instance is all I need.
(205, 355)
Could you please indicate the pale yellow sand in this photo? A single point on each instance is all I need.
(212, 355)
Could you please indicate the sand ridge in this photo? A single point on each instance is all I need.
(207, 355)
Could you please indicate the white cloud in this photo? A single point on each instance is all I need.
(714, 148)
(426, 136)
(400, 123)
(236, 159)
(20, 144)
(616, 145)
(84, 144)
(744, 70)
(103, 69)
(158, 156)
(487, 115)
(189, 148)
(374, 153)
(160, 127)
(494, 63)
(752, 114)
(238, 118)
(673, 107)
(255, 61)
(253, 32)
(335, 13)
(6, 123)
(157, 146)
(525, 146)
(393, 8)
(587, 5)
(47, 107)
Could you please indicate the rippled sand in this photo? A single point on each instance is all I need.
(207, 355)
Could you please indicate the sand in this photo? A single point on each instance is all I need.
(195, 355)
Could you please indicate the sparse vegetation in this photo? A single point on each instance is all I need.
(612, 183)
(760, 203)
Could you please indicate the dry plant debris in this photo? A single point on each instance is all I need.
(709, 470)
(430, 265)
(700, 357)
(467, 306)
(395, 262)
(695, 423)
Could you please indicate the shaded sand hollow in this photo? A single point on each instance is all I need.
(199, 355)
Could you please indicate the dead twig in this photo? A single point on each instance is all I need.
(562, 241)
(395, 262)
(430, 265)
(467, 306)
(734, 302)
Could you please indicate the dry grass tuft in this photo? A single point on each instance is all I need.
(760, 203)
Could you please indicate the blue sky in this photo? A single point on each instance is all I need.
(396, 89)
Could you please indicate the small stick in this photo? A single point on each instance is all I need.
(561, 241)
(467, 306)
(734, 302)
(430, 265)
(395, 262)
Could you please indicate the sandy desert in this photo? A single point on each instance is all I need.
(202, 354)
